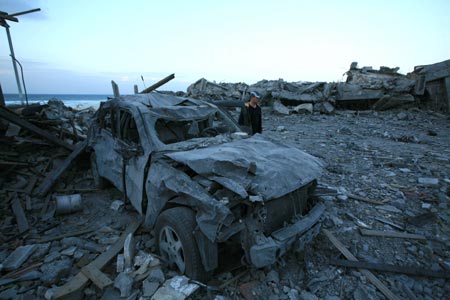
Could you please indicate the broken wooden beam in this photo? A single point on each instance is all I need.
(100, 279)
(392, 234)
(14, 118)
(417, 271)
(366, 200)
(390, 223)
(51, 178)
(115, 89)
(372, 278)
(75, 285)
(21, 219)
(60, 237)
(158, 84)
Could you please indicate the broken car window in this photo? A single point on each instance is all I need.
(171, 131)
(107, 121)
(128, 129)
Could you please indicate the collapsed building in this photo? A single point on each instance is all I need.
(433, 85)
(364, 88)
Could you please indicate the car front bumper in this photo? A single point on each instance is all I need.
(269, 249)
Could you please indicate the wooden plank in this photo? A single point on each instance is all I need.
(100, 279)
(390, 223)
(14, 118)
(51, 178)
(417, 271)
(14, 163)
(372, 278)
(158, 84)
(115, 88)
(21, 219)
(366, 200)
(75, 285)
(31, 184)
(392, 234)
(60, 237)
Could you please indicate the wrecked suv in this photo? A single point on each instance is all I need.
(202, 184)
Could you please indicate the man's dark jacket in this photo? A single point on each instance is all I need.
(251, 118)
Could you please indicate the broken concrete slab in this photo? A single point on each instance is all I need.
(124, 282)
(18, 257)
(149, 287)
(303, 108)
(176, 288)
(324, 107)
(280, 108)
(388, 101)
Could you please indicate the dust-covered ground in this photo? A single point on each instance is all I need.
(388, 167)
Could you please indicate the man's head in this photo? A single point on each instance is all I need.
(254, 97)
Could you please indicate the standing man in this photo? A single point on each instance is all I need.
(251, 116)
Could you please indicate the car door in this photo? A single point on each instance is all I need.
(109, 162)
(135, 156)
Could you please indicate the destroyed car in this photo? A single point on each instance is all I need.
(201, 183)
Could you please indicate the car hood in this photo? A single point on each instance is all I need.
(253, 166)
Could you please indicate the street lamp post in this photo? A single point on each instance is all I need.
(12, 17)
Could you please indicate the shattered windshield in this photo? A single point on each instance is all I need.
(171, 131)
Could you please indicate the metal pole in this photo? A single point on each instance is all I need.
(13, 57)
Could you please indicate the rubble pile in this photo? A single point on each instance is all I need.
(386, 187)
(384, 88)
(365, 88)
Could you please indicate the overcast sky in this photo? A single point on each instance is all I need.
(80, 46)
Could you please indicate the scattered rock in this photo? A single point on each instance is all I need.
(304, 295)
(428, 181)
(53, 272)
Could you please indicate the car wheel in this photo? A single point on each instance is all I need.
(176, 243)
(99, 181)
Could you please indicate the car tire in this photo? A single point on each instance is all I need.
(176, 242)
(99, 182)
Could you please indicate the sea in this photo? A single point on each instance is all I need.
(75, 101)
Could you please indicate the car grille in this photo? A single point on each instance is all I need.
(281, 210)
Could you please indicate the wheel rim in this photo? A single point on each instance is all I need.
(171, 248)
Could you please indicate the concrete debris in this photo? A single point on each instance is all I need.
(432, 84)
(124, 282)
(18, 257)
(428, 181)
(303, 108)
(176, 288)
(280, 108)
(53, 272)
(364, 88)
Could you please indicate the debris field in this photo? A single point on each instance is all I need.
(386, 189)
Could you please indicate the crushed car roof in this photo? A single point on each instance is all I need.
(169, 106)
(157, 100)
